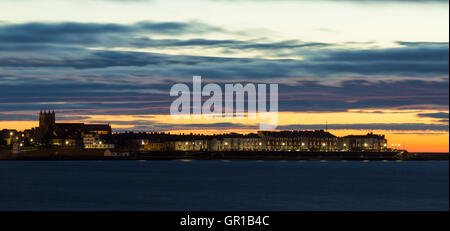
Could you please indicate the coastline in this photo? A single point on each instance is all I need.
(99, 154)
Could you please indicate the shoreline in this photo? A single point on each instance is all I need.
(99, 154)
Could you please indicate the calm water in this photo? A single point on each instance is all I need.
(215, 185)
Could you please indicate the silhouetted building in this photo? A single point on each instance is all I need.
(369, 142)
(100, 136)
(299, 140)
(65, 134)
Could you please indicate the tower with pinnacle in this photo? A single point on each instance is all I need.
(46, 125)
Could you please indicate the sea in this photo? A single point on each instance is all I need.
(224, 185)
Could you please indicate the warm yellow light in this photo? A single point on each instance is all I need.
(226, 143)
(303, 144)
(67, 142)
(384, 145)
(345, 145)
(260, 143)
(324, 144)
(11, 133)
(283, 144)
(31, 140)
(365, 144)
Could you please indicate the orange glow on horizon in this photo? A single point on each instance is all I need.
(415, 141)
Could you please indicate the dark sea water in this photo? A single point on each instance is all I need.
(216, 185)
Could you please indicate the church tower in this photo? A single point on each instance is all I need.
(46, 125)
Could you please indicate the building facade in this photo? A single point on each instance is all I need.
(370, 142)
(65, 134)
(300, 140)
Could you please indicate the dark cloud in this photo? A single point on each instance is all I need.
(136, 98)
(374, 126)
(226, 44)
(134, 35)
(354, 94)
(104, 59)
(407, 62)
(439, 115)
(419, 133)
(422, 43)
(64, 45)
(44, 65)
(414, 53)
(94, 33)
(18, 117)
(35, 117)
(411, 60)
(153, 126)
(22, 48)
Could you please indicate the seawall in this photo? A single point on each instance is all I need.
(99, 154)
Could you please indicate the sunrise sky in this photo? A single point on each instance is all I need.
(359, 66)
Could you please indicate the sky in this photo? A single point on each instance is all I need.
(358, 66)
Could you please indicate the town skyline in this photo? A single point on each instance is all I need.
(48, 123)
(358, 66)
(82, 137)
